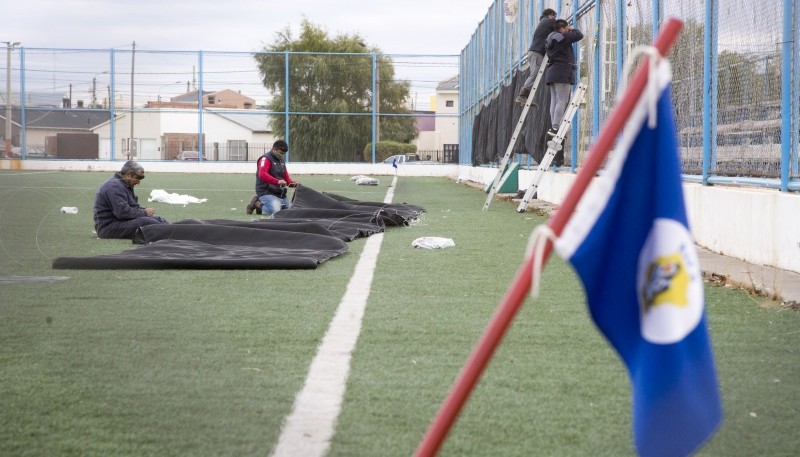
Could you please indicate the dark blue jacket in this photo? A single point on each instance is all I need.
(561, 57)
(115, 201)
(543, 29)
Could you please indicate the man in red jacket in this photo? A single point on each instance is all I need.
(272, 180)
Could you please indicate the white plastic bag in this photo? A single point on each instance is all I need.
(433, 242)
(69, 210)
(365, 181)
(161, 195)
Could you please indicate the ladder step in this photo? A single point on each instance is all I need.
(553, 146)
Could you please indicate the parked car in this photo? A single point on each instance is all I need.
(31, 152)
(188, 155)
(408, 159)
(401, 158)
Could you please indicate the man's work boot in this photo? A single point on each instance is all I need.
(258, 206)
(522, 98)
(252, 205)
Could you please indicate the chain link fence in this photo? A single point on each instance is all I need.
(735, 88)
(225, 106)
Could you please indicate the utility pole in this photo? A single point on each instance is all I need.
(131, 152)
(94, 92)
(9, 46)
(378, 104)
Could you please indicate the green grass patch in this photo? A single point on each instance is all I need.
(201, 363)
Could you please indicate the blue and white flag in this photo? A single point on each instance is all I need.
(394, 162)
(630, 244)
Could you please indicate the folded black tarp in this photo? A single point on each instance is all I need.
(389, 214)
(314, 230)
(211, 246)
(396, 213)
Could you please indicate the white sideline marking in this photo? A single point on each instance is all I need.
(308, 429)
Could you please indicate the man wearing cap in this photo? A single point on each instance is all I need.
(272, 179)
(117, 213)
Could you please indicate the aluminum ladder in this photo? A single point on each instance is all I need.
(554, 145)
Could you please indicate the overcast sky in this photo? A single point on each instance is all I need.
(396, 27)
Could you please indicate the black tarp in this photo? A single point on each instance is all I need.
(494, 125)
(314, 230)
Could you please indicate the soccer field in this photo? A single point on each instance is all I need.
(208, 362)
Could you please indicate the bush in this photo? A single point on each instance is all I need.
(386, 149)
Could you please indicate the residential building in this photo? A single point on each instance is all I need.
(438, 128)
(211, 99)
(161, 134)
(44, 127)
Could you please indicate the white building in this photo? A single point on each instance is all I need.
(439, 138)
(160, 134)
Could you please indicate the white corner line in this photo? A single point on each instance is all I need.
(307, 431)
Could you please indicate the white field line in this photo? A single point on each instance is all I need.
(309, 428)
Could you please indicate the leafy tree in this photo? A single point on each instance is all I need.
(331, 75)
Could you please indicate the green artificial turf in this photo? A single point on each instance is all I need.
(195, 363)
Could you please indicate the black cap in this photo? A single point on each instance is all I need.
(280, 144)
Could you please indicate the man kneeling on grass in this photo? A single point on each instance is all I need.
(117, 213)
(272, 179)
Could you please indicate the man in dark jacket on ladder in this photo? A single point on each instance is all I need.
(560, 76)
(536, 53)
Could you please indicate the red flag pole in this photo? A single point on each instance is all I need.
(519, 288)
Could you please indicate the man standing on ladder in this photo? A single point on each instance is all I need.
(536, 53)
(560, 75)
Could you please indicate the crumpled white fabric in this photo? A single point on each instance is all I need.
(357, 177)
(365, 181)
(160, 195)
(69, 210)
(433, 242)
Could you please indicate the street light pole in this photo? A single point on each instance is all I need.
(94, 89)
(165, 85)
(132, 152)
(9, 46)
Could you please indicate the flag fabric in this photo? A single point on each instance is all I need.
(630, 244)
(394, 162)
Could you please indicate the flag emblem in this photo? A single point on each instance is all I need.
(669, 283)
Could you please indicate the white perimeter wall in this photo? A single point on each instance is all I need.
(761, 226)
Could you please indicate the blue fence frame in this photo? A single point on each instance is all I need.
(482, 75)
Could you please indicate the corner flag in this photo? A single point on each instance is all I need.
(629, 242)
(394, 162)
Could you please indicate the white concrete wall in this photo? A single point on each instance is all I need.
(761, 226)
(295, 168)
(36, 137)
(428, 141)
